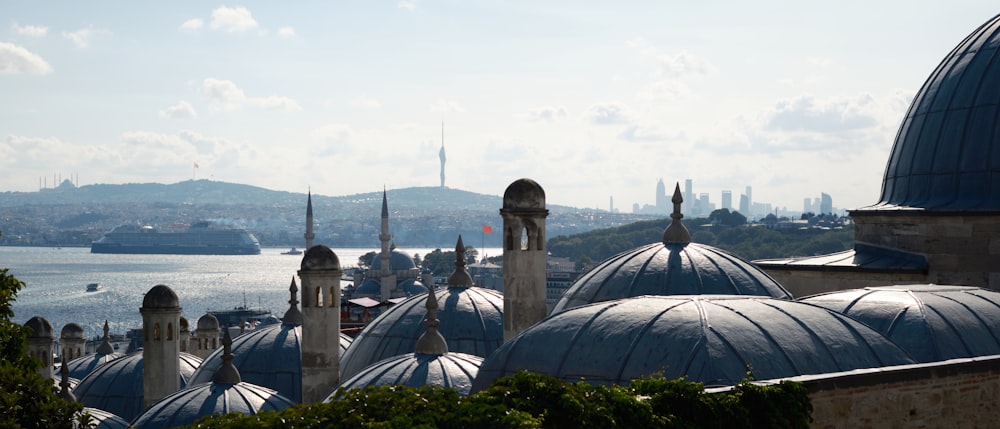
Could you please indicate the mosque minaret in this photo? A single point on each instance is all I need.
(320, 274)
(524, 256)
(161, 313)
(309, 235)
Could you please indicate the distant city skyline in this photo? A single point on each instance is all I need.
(594, 101)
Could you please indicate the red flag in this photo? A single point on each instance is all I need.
(196, 165)
(487, 229)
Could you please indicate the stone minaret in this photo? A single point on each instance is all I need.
(41, 343)
(441, 154)
(386, 278)
(524, 256)
(161, 317)
(320, 274)
(309, 235)
(206, 336)
(73, 341)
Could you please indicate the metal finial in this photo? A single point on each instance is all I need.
(676, 232)
(293, 316)
(431, 342)
(461, 276)
(106, 348)
(227, 373)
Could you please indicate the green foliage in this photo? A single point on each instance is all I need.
(747, 242)
(27, 400)
(365, 261)
(530, 400)
(443, 263)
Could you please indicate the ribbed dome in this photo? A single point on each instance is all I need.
(454, 370)
(368, 287)
(72, 331)
(160, 296)
(947, 151)
(187, 405)
(117, 385)
(105, 420)
(40, 328)
(413, 287)
(708, 339)
(398, 260)
(208, 322)
(269, 357)
(670, 269)
(84, 365)
(931, 322)
(471, 322)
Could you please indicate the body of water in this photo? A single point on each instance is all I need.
(57, 278)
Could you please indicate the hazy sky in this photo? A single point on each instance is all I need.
(592, 99)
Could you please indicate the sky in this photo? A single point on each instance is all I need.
(591, 99)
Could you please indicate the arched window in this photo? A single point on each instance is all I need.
(333, 301)
(170, 331)
(319, 296)
(524, 238)
(156, 332)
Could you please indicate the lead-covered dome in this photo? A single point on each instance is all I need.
(72, 331)
(946, 156)
(471, 321)
(100, 419)
(670, 269)
(398, 260)
(117, 385)
(183, 407)
(931, 322)
(160, 296)
(40, 328)
(451, 370)
(709, 339)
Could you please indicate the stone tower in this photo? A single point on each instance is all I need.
(161, 317)
(320, 274)
(41, 343)
(309, 235)
(524, 255)
(206, 336)
(73, 341)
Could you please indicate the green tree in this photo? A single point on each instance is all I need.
(27, 400)
(365, 261)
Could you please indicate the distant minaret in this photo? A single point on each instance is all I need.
(441, 154)
(524, 256)
(309, 236)
(387, 280)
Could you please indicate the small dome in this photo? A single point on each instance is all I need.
(709, 339)
(84, 365)
(160, 296)
(72, 331)
(40, 328)
(670, 269)
(117, 385)
(192, 403)
(942, 157)
(369, 287)
(104, 420)
(398, 260)
(208, 322)
(185, 326)
(471, 322)
(454, 370)
(413, 287)
(931, 322)
(524, 194)
(320, 257)
(269, 357)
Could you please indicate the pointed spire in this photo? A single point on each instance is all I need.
(461, 276)
(431, 342)
(676, 232)
(64, 392)
(293, 316)
(309, 203)
(106, 348)
(385, 204)
(309, 235)
(227, 373)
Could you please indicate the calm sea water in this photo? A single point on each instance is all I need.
(57, 278)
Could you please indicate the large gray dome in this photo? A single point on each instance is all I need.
(708, 339)
(84, 365)
(471, 322)
(192, 403)
(398, 260)
(269, 357)
(931, 322)
(454, 370)
(100, 419)
(947, 152)
(670, 269)
(117, 385)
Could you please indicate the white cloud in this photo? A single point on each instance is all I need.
(547, 113)
(335, 139)
(232, 19)
(442, 105)
(607, 114)
(819, 61)
(227, 96)
(643, 133)
(287, 32)
(410, 5)
(182, 110)
(683, 64)
(192, 25)
(29, 30)
(17, 60)
(665, 90)
(808, 113)
(82, 37)
(366, 102)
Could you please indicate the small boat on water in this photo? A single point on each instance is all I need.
(94, 287)
(294, 251)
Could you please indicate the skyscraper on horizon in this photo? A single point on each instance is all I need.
(727, 200)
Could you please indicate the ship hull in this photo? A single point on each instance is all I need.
(200, 239)
(171, 250)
